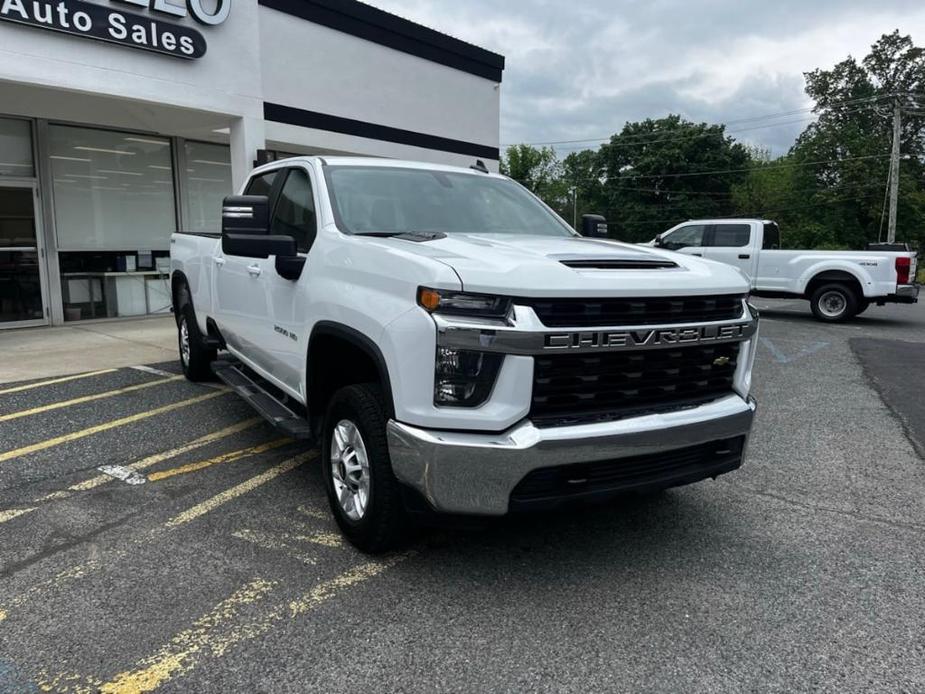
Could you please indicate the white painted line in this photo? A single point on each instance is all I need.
(125, 474)
(14, 513)
(151, 370)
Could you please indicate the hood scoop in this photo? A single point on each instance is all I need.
(619, 264)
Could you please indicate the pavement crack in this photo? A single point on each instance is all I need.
(899, 525)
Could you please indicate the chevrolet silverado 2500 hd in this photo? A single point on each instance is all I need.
(454, 346)
(838, 284)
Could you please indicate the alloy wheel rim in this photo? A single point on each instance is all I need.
(350, 469)
(832, 304)
(184, 342)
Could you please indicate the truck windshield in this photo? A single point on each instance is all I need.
(393, 200)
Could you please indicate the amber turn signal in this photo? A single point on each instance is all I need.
(428, 298)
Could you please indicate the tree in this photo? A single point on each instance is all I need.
(539, 170)
(853, 135)
(661, 172)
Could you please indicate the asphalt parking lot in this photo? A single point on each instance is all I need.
(206, 561)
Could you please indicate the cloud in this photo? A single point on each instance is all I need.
(580, 69)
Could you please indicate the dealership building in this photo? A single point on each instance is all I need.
(123, 120)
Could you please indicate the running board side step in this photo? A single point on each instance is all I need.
(269, 407)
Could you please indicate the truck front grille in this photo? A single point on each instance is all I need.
(579, 388)
(579, 313)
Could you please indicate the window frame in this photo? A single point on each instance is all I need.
(282, 175)
(706, 231)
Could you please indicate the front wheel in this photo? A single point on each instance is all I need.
(362, 490)
(834, 303)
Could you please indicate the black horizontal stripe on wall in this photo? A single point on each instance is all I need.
(278, 113)
(372, 24)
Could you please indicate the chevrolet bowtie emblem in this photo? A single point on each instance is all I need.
(721, 361)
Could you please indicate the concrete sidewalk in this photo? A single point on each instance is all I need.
(43, 352)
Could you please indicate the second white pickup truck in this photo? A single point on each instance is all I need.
(838, 284)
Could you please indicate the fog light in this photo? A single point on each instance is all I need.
(463, 378)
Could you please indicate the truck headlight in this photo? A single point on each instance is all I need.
(463, 378)
(463, 303)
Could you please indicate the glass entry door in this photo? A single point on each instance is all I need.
(21, 272)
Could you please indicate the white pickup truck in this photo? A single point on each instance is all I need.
(838, 284)
(454, 346)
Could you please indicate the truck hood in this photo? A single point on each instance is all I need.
(534, 266)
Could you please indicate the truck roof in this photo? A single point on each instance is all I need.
(380, 161)
(729, 220)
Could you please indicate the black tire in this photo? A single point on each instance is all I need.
(383, 523)
(834, 303)
(197, 359)
(863, 305)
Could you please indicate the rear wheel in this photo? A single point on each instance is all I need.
(195, 358)
(863, 305)
(364, 495)
(834, 303)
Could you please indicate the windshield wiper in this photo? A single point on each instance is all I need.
(383, 234)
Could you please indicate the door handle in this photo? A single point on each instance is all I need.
(744, 256)
(699, 255)
(218, 261)
(254, 270)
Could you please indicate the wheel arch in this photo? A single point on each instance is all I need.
(348, 347)
(839, 275)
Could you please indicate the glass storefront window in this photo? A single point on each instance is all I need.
(112, 191)
(208, 182)
(16, 148)
(114, 213)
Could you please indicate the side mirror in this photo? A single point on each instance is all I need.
(593, 226)
(658, 242)
(258, 245)
(246, 214)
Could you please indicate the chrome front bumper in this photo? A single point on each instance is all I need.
(473, 473)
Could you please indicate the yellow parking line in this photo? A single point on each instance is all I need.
(30, 386)
(174, 658)
(236, 491)
(58, 440)
(160, 457)
(86, 398)
(215, 633)
(223, 458)
(14, 513)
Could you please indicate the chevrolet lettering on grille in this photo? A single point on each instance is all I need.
(647, 338)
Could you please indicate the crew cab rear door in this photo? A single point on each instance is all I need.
(733, 243)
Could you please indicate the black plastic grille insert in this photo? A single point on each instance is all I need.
(604, 386)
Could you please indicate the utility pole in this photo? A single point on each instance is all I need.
(894, 172)
(575, 207)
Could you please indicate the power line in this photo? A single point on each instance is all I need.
(846, 102)
(763, 213)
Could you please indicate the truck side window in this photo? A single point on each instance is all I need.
(295, 210)
(731, 235)
(691, 235)
(261, 185)
(771, 240)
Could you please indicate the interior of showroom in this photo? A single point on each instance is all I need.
(105, 150)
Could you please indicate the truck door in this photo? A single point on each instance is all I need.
(688, 239)
(289, 300)
(239, 289)
(732, 244)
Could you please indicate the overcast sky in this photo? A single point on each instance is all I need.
(581, 68)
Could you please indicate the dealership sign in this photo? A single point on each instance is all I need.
(115, 26)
